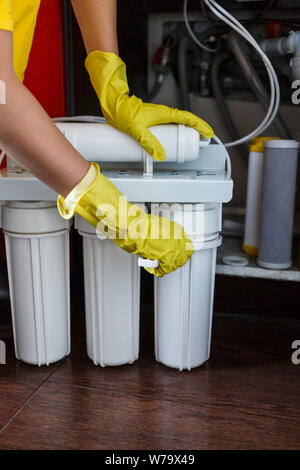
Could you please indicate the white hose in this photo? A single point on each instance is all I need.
(188, 27)
(223, 15)
(228, 161)
(275, 90)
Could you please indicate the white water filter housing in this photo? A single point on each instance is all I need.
(184, 298)
(37, 249)
(112, 299)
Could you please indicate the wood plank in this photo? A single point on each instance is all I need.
(245, 397)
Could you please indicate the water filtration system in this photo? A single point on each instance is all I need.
(189, 187)
(195, 180)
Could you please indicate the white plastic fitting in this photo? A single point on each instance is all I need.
(102, 142)
(147, 263)
(282, 46)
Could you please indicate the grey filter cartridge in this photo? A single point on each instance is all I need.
(278, 199)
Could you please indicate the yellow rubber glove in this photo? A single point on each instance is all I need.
(128, 113)
(127, 225)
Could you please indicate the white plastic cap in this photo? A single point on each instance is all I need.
(32, 218)
(147, 263)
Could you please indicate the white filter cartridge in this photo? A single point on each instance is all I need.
(254, 195)
(102, 142)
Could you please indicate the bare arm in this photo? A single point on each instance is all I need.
(29, 136)
(98, 23)
(27, 133)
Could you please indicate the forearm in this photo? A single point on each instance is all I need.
(98, 23)
(29, 136)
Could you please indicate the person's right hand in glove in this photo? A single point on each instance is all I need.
(98, 201)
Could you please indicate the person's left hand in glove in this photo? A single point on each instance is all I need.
(98, 23)
(128, 113)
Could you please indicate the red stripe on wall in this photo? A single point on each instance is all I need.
(45, 75)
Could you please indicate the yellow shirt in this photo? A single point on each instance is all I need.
(19, 16)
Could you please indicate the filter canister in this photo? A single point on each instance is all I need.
(37, 249)
(184, 298)
(278, 198)
(254, 189)
(112, 298)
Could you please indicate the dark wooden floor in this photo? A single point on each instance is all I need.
(245, 397)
